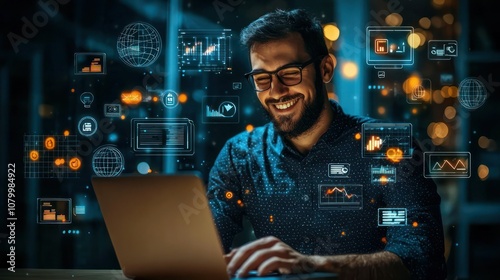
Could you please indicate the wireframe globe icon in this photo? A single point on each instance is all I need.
(107, 161)
(471, 93)
(139, 44)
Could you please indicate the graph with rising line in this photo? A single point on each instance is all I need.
(345, 197)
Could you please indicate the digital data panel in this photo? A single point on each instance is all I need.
(447, 164)
(388, 47)
(386, 140)
(205, 50)
(341, 197)
(171, 136)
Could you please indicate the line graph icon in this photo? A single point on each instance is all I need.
(447, 164)
(342, 197)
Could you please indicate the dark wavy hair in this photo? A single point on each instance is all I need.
(280, 23)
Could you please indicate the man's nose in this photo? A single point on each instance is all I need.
(277, 88)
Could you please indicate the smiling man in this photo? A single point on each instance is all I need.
(277, 174)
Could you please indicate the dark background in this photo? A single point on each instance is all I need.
(36, 98)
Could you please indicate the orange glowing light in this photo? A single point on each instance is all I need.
(34, 156)
(75, 163)
(133, 97)
(59, 161)
(357, 136)
(343, 233)
(384, 240)
(50, 143)
(182, 98)
(155, 98)
(384, 180)
(394, 154)
(247, 191)
(271, 218)
(229, 195)
(72, 90)
(414, 224)
(249, 128)
(122, 117)
(66, 133)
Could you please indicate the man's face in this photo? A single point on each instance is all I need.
(292, 109)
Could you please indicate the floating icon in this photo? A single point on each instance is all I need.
(34, 156)
(133, 97)
(170, 98)
(392, 216)
(442, 49)
(90, 63)
(50, 143)
(339, 170)
(112, 110)
(74, 163)
(87, 98)
(447, 164)
(87, 126)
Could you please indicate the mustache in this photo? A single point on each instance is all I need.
(270, 100)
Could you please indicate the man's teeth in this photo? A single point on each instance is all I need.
(286, 105)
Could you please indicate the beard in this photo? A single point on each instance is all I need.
(309, 115)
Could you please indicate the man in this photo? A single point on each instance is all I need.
(277, 173)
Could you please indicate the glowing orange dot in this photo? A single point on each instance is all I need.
(247, 191)
(372, 200)
(122, 117)
(72, 90)
(414, 111)
(357, 136)
(271, 218)
(66, 133)
(415, 224)
(249, 128)
(150, 171)
(384, 240)
(155, 99)
(229, 195)
(182, 98)
(343, 233)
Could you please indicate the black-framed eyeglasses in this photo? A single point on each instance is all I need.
(288, 75)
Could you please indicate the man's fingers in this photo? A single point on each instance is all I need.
(230, 255)
(244, 252)
(259, 257)
(282, 265)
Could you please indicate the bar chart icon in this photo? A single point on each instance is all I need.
(90, 63)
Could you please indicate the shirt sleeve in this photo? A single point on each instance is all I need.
(224, 194)
(419, 244)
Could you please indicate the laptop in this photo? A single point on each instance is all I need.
(161, 226)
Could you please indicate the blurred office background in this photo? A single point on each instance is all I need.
(41, 87)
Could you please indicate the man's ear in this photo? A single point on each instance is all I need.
(326, 67)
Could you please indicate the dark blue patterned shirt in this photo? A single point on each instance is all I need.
(326, 202)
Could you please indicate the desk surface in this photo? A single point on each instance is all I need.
(105, 274)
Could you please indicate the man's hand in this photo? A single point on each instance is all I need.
(266, 255)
